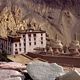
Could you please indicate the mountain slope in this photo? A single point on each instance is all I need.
(60, 17)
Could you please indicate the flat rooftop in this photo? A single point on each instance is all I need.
(19, 58)
(23, 59)
(30, 31)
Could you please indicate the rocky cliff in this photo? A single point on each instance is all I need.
(60, 17)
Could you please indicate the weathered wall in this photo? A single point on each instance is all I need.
(62, 60)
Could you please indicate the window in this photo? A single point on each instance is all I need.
(34, 43)
(41, 42)
(34, 38)
(24, 40)
(15, 45)
(19, 44)
(29, 35)
(41, 38)
(34, 35)
(30, 43)
(41, 34)
(25, 49)
(24, 44)
(19, 49)
(16, 50)
(29, 39)
(23, 35)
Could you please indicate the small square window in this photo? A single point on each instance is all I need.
(41, 38)
(23, 35)
(25, 49)
(29, 39)
(19, 49)
(41, 42)
(15, 45)
(24, 44)
(24, 39)
(29, 35)
(30, 43)
(34, 35)
(34, 43)
(41, 34)
(19, 44)
(16, 50)
(34, 38)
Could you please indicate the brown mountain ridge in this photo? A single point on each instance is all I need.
(60, 17)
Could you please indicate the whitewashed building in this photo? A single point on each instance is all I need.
(25, 41)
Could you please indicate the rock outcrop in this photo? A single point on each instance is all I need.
(54, 16)
(44, 71)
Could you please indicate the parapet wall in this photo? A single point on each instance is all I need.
(62, 60)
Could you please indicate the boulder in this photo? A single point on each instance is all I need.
(6, 74)
(44, 71)
(72, 75)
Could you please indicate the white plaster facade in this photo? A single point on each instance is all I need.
(29, 40)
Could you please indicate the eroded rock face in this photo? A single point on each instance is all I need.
(72, 75)
(6, 74)
(44, 71)
(54, 16)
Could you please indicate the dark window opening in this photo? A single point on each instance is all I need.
(25, 49)
(16, 50)
(19, 44)
(34, 43)
(34, 38)
(41, 34)
(41, 38)
(24, 44)
(30, 43)
(24, 40)
(41, 42)
(19, 49)
(29, 39)
(34, 35)
(29, 35)
(23, 35)
(15, 45)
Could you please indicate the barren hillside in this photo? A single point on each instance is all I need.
(54, 16)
